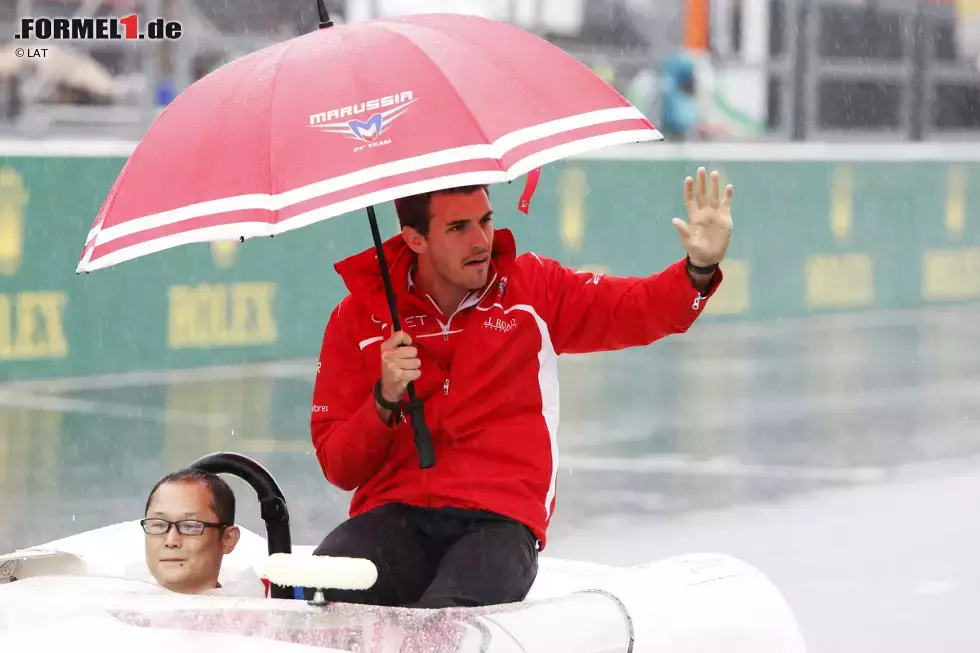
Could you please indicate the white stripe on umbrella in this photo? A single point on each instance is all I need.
(269, 202)
(253, 229)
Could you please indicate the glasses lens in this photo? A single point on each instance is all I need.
(190, 527)
(155, 526)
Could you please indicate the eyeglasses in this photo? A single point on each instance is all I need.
(184, 526)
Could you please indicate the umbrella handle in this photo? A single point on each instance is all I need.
(423, 439)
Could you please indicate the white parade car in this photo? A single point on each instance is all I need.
(94, 590)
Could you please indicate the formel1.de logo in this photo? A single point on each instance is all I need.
(103, 28)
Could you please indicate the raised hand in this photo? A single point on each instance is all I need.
(708, 232)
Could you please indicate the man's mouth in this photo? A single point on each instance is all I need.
(172, 560)
(480, 260)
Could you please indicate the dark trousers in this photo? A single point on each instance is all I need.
(435, 558)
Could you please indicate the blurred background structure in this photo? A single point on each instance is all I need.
(758, 69)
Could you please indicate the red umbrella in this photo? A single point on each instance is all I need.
(349, 116)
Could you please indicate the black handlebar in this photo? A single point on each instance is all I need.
(272, 501)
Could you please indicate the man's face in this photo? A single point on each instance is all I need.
(187, 563)
(460, 238)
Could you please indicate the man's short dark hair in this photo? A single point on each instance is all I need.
(222, 496)
(413, 211)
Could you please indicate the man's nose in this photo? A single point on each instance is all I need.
(480, 242)
(173, 538)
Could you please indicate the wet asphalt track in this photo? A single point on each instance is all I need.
(840, 455)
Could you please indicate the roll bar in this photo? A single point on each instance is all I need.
(272, 502)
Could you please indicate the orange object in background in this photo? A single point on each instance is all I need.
(696, 24)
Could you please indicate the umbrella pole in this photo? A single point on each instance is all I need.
(321, 10)
(423, 439)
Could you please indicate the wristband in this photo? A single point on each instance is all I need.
(696, 270)
(384, 403)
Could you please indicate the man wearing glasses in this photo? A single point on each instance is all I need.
(189, 526)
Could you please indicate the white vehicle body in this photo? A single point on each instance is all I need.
(94, 588)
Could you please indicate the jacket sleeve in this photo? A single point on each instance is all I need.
(595, 312)
(349, 437)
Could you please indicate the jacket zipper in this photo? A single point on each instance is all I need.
(445, 386)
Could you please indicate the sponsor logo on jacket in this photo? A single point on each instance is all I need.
(595, 276)
(500, 325)
(501, 289)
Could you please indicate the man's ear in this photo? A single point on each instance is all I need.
(230, 539)
(415, 241)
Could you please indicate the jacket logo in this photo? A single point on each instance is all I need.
(412, 322)
(595, 276)
(501, 289)
(500, 325)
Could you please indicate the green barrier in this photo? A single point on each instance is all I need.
(810, 236)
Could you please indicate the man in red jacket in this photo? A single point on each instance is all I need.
(481, 332)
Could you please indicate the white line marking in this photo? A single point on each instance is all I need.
(650, 501)
(935, 588)
(107, 409)
(872, 152)
(266, 445)
(654, 464)
(302, 369)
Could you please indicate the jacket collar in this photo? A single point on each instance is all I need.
(362, 274)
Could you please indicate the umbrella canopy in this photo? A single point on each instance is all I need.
(346, 117)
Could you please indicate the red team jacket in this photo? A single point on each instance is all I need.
(489, 376)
